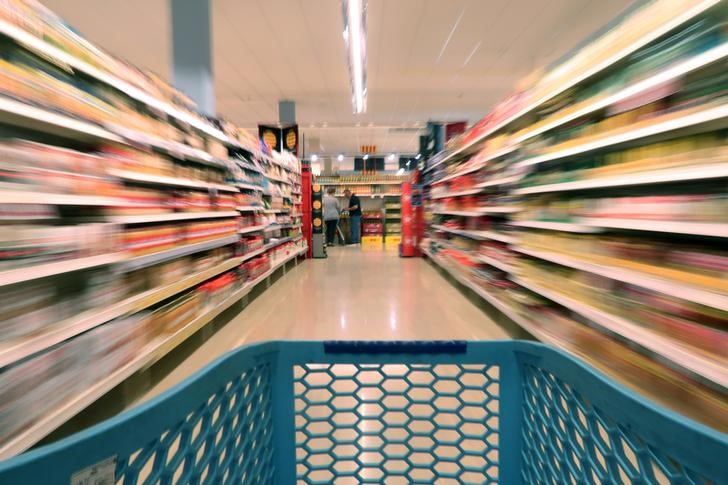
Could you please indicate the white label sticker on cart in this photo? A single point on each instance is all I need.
(101, 473)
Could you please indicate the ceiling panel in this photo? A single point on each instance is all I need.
(427, 59)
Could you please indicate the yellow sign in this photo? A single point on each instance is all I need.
(316, 188)
(316, 204)
(291, 140)
(270, 139)
(317, 222)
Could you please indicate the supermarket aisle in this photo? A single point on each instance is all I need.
(353, 294)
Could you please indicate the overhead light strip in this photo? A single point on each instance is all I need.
(355, 38)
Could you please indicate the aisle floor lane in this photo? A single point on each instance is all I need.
(351, 295)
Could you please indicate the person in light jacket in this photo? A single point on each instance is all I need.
(332, 211)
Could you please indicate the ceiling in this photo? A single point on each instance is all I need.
(427, 59)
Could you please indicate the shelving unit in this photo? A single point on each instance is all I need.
(375, 192)
(523, 194)
(148, 207)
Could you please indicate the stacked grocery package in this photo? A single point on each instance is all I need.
(123, 217)
(591, 207)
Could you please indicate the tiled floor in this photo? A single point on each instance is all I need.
(353, 294)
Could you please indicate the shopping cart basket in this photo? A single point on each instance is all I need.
(387, 412)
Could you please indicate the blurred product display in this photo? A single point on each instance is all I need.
(128, 221)
(589, 207)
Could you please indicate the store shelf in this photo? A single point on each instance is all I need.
(626, 134)
(478, 235)
(384, 182)
(146, 357)
(482, 163)
(496, 263)
(31, 271)
(684, 359)
(161, 256)
(654, 283)
(460, 193)
(171, 216)
(13, 350)
(23, 197)
(247, 230)
(508, 310)
(655, 80)
(499, 209)
(276, 211)
(674, 227)
(371, 196)
(458, 213)
(45, 49)
(278, 179)
(170, 181)
(610, 61)
(460, 173)
(17, 113)
(558, 226)
(680, 174)
(249, 167)
(500, 181)
(250, 208)
(277, 227)
(242, 185)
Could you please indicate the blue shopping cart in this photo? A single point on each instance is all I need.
(387, 412)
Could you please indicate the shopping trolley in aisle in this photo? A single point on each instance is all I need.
(387, 412)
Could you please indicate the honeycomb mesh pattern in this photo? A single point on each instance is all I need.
(396, 423)
(568, 440)
(228, 439)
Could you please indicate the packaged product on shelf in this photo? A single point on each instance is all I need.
(217, 290)
(195, 232)
(31, 389)
(28, 307)
(145, 240)
(192, 201)
(137, 160)
(224, 201)
(255, 267)
(174, 315)
(139, 201)
(22, 245)
(37, 167)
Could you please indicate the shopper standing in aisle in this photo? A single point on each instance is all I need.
(332, 209)
(354, 209)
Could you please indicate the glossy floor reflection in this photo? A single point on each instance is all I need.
(353, 294)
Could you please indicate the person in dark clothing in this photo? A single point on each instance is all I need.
(354, 209)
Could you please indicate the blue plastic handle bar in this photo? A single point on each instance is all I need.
(396, 347)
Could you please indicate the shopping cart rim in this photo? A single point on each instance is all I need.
(207, 375)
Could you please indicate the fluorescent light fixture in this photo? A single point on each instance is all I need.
(314, 158)
(417, 157)
(340, 157)
(355, 38)
(366, 157)
(400, 171)
(390, 157)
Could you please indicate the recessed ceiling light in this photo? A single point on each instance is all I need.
(390, 157)
(366, 157)
(314, 158)
(340, 157)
